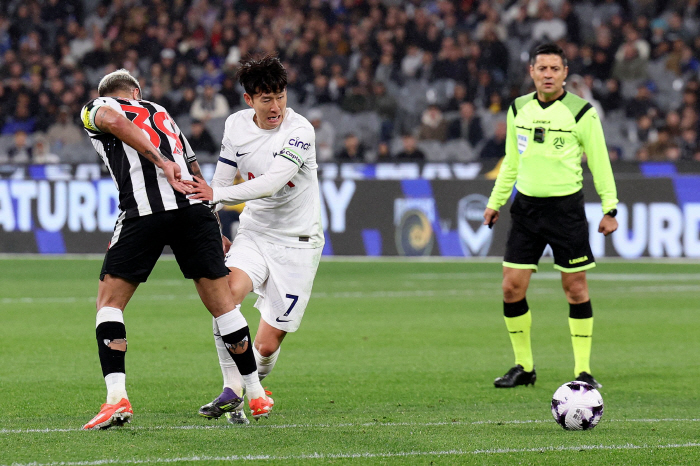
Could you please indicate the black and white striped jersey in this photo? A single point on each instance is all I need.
(143, 187)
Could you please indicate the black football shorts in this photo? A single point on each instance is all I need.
(557, 221)
(191, 232)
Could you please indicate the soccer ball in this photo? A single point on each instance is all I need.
(577, 406)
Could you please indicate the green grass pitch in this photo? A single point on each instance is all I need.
(393, 364)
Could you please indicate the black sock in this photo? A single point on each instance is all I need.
(240, 347)
(112, 360)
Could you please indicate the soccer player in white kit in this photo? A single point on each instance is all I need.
(278, 246)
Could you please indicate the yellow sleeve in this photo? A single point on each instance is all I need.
(593, 141)
(509, 167)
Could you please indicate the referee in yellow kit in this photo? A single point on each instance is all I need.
(548, 132)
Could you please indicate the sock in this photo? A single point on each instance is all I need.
(236, 337)
(581, 326)
(518, 322)
(229, 370)
(111, 346)
(265, 363)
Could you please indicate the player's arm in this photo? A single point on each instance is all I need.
(280, 172)
(108, 120)
(506, 175)
(593, 141)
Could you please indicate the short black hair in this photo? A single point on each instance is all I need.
(265, 75)
(548, 49)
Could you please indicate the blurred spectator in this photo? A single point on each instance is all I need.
(210, 104)
(325, 135)
(200, 138)
(357, 99)
(631, 58)
(157, 95)
(459, 96)
(663, 148)
(641, 104)
(433, 125)
(20, 120)
(42, 152)
(643, 131)
(609, 95)
(229, 91)
(467, 126)
(352, 151)
(64, 131)
(20, 151)
(548, 28)
(689, 145)
(184, 106)
(496, 146)
(410, 151)
(386, 107)
(383, 152)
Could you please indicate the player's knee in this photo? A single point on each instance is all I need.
(577, 291)
(266, 349)
(513, 290)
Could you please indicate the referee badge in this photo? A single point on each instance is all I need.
(522, 143)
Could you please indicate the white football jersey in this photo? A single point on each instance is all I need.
(292, 215)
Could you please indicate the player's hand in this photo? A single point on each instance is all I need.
(199, 189)
(607, 225)
(174, 175)
(226, 242)
(490, 217)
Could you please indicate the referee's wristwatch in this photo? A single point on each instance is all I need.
(611, 213)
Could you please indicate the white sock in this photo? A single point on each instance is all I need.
(116, 387)
(253, 388)
(229, 370)
(265, 363)
(231, 321)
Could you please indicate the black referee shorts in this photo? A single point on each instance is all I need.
(557, 221)
(192, 233)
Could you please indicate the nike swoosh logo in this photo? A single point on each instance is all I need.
(241, 155)
(278, 320)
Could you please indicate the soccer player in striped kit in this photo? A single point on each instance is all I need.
(149, 159)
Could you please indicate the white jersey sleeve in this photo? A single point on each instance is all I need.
(278, 174)
(300, 144)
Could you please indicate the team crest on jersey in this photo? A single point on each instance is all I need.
(559, 142)
(522, 143)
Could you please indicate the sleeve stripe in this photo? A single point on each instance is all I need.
(228, 162)
(583, 111)
(515, 110)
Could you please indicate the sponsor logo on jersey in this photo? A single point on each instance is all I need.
(541, 122)
(522, 143)
(294, 142)
(578, 260)
(238, 154)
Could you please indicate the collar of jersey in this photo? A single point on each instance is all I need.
(551, 102)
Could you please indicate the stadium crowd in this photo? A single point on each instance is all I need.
(379, 79)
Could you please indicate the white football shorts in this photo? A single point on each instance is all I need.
(282, 277)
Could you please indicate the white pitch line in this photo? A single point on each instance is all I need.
(627, 446)
(617, 277)
(341, 425)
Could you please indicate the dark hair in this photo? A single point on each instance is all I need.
(548, 49)
(266, 75)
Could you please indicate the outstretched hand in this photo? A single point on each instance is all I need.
(174, 176)
(199, 189)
